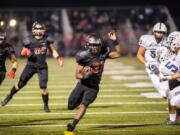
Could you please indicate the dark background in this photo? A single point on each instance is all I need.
(171, 4)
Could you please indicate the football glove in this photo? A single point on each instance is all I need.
(25, 52)
(11, 73)
(153, 67)
(60, 60)
(87, 72)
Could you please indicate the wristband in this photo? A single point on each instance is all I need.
(14, 70)
(59, 58)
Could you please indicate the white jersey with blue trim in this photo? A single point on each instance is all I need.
(150, 44)
(171, 66)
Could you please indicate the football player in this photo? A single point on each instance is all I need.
(35, 49)
(170, 70)
(90, 64)
(146, 54)
(6, 50)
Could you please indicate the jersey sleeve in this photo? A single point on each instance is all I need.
(177, 59)
(80, 58)
(50, 39)
(10, 50)
(26, 42)
(105, 50)
(143, 41)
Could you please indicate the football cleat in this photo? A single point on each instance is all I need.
(169, 123)
(70, 127)
(46, 109)
(4, 102)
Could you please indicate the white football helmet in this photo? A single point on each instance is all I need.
(160, 27)
(163, 54)
(174, 40)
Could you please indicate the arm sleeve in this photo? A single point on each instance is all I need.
(50, 40)
(10, 50)
(26, 42)
(105, 50)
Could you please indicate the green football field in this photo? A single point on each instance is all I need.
(127, 103)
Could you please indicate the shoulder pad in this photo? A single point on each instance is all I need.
(26, 41)
(80, 56)
(144, 39)
(10, 49)
(49, 39)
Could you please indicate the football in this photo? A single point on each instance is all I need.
(87, 72)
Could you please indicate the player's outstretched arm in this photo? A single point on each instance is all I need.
(175, 76)
(14, 61)
(140, 55)
(117, 52)
(56, 55)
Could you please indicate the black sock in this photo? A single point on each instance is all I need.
(75, 121)
(45, 99)
(178, 111)
(12, 92)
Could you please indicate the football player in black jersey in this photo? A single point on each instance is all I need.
(6, 50)
(90, 64)
(35, 49)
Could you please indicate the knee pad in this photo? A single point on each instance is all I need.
(43, 84)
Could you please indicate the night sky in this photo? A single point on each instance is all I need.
(171, 4)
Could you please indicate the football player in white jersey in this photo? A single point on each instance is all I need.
(148, 45)
(170, 70)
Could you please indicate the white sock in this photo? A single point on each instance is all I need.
(172, 117)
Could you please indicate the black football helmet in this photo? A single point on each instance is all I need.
(38, 29)
(2, 36)
(94, 44)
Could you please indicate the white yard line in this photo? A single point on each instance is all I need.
(65, 97)
(97, 103)
(128, 72)
(80, 125)
(68, 91)
(65, 86)
(107, 67)
(88, 113)
(151, 95)
(127, 77)
(139, 85)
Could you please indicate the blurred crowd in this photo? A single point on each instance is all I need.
(70, 26)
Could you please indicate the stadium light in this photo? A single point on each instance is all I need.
(12, 22)
(1, 23)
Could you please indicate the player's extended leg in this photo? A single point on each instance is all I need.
(25, 76)
(74, 101)
(43, 79)
(175, 84)
(172, 114)
(88, 97)
(2, 77)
